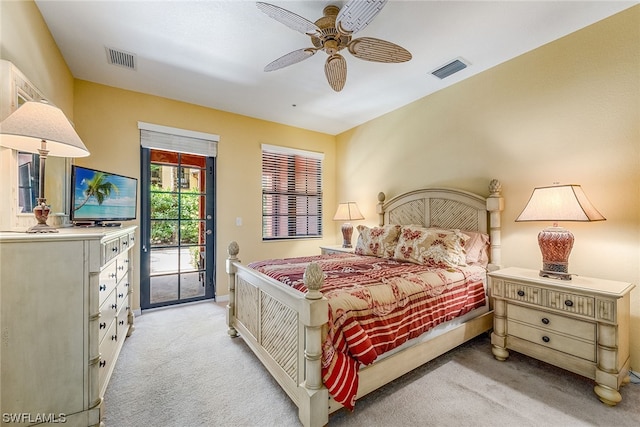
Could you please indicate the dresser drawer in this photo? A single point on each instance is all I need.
(106, 282)
(108, 348)
(110, 250)
(122, 322)
(575, 347)
(553, 322)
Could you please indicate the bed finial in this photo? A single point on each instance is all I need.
(313, 279)
(380, 210)
(233, 249)
(495, 188)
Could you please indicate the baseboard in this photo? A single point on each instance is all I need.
(635, 377)
(222, 298)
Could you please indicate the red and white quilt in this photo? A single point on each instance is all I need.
(377, 304)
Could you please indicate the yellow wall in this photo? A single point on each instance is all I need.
(566, 112)
(107, 120)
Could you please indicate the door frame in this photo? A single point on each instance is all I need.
(145, 233)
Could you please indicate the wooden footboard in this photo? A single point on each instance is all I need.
(284, 329)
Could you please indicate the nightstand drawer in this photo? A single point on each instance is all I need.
(553, 322)
(524, 293)
(582, 349)
(571, 303)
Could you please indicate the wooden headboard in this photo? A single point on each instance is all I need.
(448, 208)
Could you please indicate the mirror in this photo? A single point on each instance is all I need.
(56, 183)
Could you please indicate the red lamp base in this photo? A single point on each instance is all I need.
(555, 244)
(347, 231)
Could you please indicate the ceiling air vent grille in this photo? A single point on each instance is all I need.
(121, 58)
(450, 68)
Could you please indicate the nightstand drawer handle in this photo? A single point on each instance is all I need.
(520, 293)
(568, 303)
(545, 320)
(546, 338)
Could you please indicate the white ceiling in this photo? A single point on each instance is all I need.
(212, 53)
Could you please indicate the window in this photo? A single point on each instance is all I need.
(291, 193)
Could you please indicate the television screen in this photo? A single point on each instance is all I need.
(102, 196)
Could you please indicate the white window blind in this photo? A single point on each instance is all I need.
(178, 140)
(291, 193)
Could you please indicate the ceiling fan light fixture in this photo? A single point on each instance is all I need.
(333, 33)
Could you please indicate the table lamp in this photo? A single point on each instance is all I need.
(558, 203)
(39, 127)
(347, 212)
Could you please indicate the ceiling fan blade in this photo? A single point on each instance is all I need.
(336, 71)
(290, 59)
(377, 50)
(357, 14)
(289, 19)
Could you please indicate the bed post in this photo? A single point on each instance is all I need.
(233, 249)
(314, 403)
(495, 205)
(379, 207)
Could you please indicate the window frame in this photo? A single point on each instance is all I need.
(292, 193)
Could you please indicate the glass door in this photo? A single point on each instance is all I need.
(177, 260)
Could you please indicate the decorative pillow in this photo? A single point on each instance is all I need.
(476, 248)
(431, 247)
(377, 241)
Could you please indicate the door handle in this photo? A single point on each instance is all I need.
(208, 231)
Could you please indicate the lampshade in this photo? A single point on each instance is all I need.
(36, 121)
(559, 203)
(347, 211)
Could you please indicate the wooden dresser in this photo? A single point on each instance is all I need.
(581, 325)
(65, 310)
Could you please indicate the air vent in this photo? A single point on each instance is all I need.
(450, 68)
(121, 58)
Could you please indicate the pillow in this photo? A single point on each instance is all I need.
(377, 241)
(476, 248)
(431, 247)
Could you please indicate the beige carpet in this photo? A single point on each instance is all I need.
(179, 368)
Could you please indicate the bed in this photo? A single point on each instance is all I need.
(288, 329)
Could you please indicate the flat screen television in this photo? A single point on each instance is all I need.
(101, 198)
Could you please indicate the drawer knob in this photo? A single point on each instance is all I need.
(103, 363)
(121, 322)
(114, 337)
(546, 338)
(103, 287)
(114, 306)
(114, 249)
(112, 275)
(520, 293)
(545, 320)
(120, 295)
(103, 325)
(568, 303)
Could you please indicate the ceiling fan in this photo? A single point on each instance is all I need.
(332, 33)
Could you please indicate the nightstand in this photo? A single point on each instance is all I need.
(337, 249)
(581, 325)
